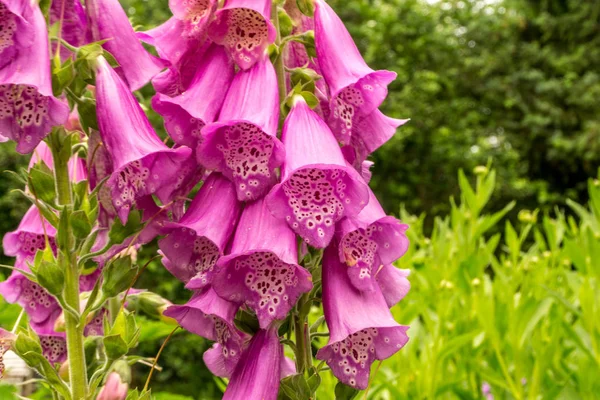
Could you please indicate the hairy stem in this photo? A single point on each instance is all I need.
(302, 334)
(67, 259)
(279, 67)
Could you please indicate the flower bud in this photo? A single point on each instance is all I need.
(480, 170)
(528, 217)
(114, 388)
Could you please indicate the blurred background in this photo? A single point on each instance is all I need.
(505, 299)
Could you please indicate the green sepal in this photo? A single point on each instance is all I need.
(80, 224)
(118, 276)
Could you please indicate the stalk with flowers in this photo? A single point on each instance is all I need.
(272, 112)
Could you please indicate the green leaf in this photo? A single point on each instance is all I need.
(115, 346)
(286, 25)
(344, 392)
(295, 387)
(310, 98)
(306, 7)
(80, 224)
(119, 232)
(118, 276)
(41, 183)
(62, 76)
(51, 277)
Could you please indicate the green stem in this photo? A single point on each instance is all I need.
(302, 333)
(67, 259)
(279, 67)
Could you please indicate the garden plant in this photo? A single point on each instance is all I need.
(259, 194)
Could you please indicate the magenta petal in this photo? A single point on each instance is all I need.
(183, 51)
(74, 24)
(210, 316)
(216, 362)
(369, 239)
(242, 145)
(317, 188)
(244, 27)
(194, 14)
(143, 164)
(38, 304)
(393, 282)
(360, 324)
(199, 238)
(108, 20)
(17, 32)
(28, 110)
(370, 134)
(54, 348)
(261, 270)
(100, 166)
(356, 89)
(24, 242)
(185, 115)
(257, 374)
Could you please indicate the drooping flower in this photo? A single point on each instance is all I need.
(183, 51)
(142, 163)
(107, 20)
(244, 27)
(262, 268)
(196, 242)
(242, 145)
(368, 135)
(356, 89)
(186, 114)
(7, 339)
(54, 347)
(258, 372)
(210, 316)
(361, 327)
(114, 388)
(28, 238)
(317, 187)
(73, 25)
(369, 239)
(393, 283)
(39, 305)
(28, 110)
(194, 14)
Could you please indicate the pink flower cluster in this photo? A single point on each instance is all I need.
(236, 244)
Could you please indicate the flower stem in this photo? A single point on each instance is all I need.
(279, 67)
(302, 333)
(67, 259)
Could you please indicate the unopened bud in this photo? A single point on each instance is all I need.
(114, 389)
(63, 371)
(480, 170)
(528, 217)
